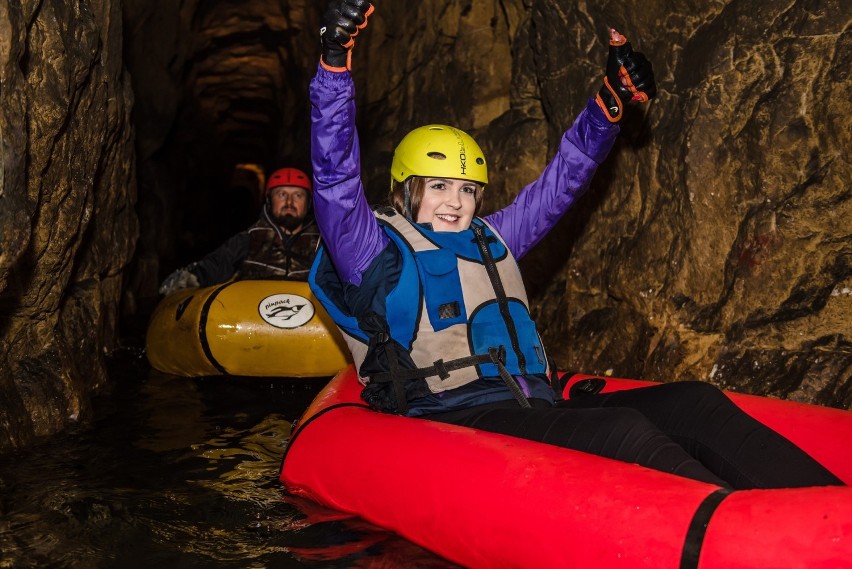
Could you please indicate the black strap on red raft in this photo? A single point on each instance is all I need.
(700, 520)
(694, 534)
(698, 528)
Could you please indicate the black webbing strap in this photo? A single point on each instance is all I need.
(398, 387)
(555, 382)
(510, 382)
(398, 375)
(698, 528)
(440, 368)
(500, 292)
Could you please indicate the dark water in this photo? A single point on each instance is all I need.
(176, 472)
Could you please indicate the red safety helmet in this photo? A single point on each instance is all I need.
(289, 177)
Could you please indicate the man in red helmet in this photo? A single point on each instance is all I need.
(280, 245)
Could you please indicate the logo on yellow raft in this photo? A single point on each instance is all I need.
(286, 310)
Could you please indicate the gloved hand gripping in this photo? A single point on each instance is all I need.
(179, 279)
(342, 21)
(629, 77)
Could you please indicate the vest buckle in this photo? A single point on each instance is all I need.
(379, 339)
(498, 354)
(441, 369)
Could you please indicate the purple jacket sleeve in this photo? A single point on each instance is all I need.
(541, 204)
(349, 230)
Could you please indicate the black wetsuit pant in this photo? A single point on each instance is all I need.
(686, 428)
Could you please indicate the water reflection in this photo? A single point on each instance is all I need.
(180, 473)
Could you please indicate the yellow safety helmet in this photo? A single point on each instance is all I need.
(439, 151)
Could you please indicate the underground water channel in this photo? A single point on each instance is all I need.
(179, 472)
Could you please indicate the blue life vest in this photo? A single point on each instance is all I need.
(444, 312)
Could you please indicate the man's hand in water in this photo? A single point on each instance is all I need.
(342, 21)
(629, 77)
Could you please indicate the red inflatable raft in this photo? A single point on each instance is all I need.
(485, 500)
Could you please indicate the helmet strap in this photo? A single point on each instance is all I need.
(407, 198)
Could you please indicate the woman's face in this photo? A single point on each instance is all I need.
(448, 204)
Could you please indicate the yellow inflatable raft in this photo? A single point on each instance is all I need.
(261, 328)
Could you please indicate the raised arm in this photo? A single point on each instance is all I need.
(540, 205)
(349, 230)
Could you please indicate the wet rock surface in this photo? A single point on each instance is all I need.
(67, 222)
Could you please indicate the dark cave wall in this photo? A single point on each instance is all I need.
(719, 246)
(714, 243)
(67, 224)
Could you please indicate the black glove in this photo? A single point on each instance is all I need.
(342, 21)
(629, 77)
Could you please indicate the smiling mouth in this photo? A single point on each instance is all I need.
(447, 218)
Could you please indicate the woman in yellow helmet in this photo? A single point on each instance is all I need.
(431, 302)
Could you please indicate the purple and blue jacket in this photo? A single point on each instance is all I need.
(356, 243)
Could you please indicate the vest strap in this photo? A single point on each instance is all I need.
(500, 292)
(555, 383)
(438, 368)
(441, 368)
(395, 372)
(510, 381)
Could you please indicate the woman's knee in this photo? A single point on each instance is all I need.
(627, 420)
(697, 391)
(593, 430)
